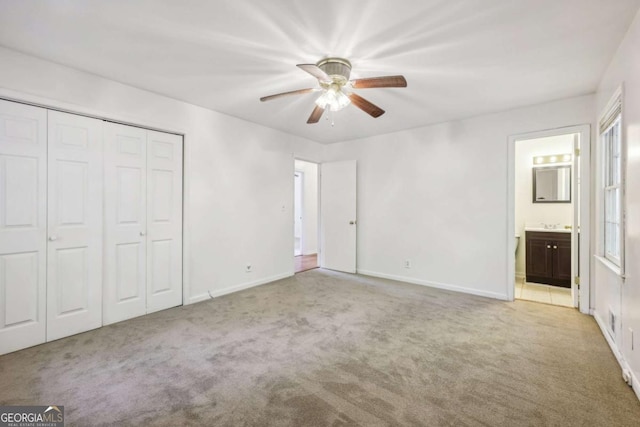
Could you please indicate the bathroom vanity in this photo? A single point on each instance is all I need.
(548, 257)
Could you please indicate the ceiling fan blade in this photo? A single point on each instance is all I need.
(316, 72)
(315, 115)
(366, 106)
(293, 92)
(390, 81)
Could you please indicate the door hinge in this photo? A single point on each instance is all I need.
(576, 280)
(576, 152)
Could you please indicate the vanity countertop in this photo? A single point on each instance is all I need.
(548, 230)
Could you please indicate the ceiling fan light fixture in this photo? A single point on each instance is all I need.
(333, 75)
(333, 98)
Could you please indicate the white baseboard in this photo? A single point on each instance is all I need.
(605, 331)
(445, 286)
(197, 298)
(633, 382)
(633, 379)
(236, 288)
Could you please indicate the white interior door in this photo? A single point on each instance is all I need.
(74, 261)
(23, 225)
(164, 221)
(338, 216)
(125, 263)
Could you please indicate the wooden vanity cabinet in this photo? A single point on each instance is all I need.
(548, 258)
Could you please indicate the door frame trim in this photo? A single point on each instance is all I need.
(302, 220)
(584, 131)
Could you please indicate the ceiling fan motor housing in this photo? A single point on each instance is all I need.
(338, 69)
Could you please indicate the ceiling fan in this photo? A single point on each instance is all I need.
(333, 77)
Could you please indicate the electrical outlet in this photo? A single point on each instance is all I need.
(407, 263)
(248, 268)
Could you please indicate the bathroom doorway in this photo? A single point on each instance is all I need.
(305, 224)
(548, 203)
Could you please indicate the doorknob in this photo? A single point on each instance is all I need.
(555, 247)
(352, 222)
(142, 233)
(548, 246)
(53, 238)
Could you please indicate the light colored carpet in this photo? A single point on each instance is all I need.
(331, 349)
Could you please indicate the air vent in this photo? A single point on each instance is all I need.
(612, 322)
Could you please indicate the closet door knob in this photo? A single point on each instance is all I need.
(53, 238)
(548, 246)
(142, 233)
(555, 247)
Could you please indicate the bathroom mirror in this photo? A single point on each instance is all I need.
(552, 184)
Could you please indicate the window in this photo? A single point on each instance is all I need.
(612, 184)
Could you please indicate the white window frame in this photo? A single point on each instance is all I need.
(611, 191)
(612, 182)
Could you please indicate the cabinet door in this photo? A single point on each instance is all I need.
(562, 262)
(74, 261)
(23, 225)
(539, 260)
(125, 169)
(164, 221)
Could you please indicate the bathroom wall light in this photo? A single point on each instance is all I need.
(551, 159)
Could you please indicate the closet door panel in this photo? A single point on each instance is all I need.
(125, 166)
(74, 263)
(23, 186)
(164, 204)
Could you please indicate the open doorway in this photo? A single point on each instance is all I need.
(305, 224)
(548, 204)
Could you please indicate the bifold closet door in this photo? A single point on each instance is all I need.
(23, 225)
(164, 221)
(74, 261)
(143, 222)
(125, 168)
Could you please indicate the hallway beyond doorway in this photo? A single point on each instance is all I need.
(305, 262)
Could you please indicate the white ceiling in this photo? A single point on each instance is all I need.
(461, 58)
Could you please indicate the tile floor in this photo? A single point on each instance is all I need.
(554, 295)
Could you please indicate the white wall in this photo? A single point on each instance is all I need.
(310, 207)
(238, 175)
(610, 292)
(437, 195)
(528, 212)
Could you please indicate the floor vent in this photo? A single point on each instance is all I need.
(612, 322)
